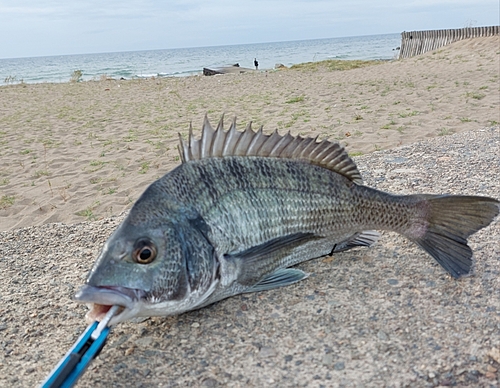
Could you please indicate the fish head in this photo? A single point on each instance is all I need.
(157, 263)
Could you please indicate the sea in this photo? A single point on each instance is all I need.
(182, 62)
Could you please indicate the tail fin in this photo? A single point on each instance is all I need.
(450, 221)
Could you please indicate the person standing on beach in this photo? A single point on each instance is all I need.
(256, 64)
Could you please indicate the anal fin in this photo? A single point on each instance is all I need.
(361, 239)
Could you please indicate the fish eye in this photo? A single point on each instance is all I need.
(144, 251)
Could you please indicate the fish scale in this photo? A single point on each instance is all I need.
(324, 204)
(244, 207)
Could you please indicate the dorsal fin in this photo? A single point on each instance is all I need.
(220, 143)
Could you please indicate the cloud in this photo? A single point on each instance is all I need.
(63, 27)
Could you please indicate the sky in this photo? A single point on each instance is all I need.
(30, 28)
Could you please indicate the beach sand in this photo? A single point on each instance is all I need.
(86, 151)
(75, 157)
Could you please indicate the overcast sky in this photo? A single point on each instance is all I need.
(51, 27)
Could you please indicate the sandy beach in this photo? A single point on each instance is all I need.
(74, 157)
(85, 151)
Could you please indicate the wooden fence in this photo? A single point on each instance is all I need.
(419, 42)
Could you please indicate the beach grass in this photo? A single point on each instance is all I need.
(335, 65)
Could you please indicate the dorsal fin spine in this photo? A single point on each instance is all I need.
(244, 140)
(292, 148)
(182, 149)
(220, 125)
(206, 138)
(325, 152)
(255, 143)
(271, 142)
(220, 143)
(190, 142)
(318, 150)
(281, 144)
(231, 134)
(310, 146)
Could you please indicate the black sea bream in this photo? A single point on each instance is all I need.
(244, 207)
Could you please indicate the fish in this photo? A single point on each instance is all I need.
(244, 208)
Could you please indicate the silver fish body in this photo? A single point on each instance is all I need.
(244, 207)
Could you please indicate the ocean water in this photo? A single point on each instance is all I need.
(191, 61)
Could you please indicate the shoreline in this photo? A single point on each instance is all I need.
(174, 62)
(199, 73)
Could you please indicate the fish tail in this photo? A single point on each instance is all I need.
(448, 221)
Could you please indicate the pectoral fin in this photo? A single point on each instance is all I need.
(280, 278)
(255, 262)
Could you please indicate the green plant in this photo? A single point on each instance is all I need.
(131, 137)
(6, 201)
(476, 96)
(144, 168)
(96, 165)
(388, 125)
(9, 79)
(12, 79)
(76, 76)
(408, 114)
(88, 212)
(295, 99)
(385, 92)
(335, 64)
(444, 132)
(40, 173)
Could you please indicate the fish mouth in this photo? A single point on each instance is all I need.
(101, 299)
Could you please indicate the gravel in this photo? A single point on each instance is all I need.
(385, 316)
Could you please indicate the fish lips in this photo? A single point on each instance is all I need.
(100, 300)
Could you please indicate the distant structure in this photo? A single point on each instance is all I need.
(419, 42)
(233, 69)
